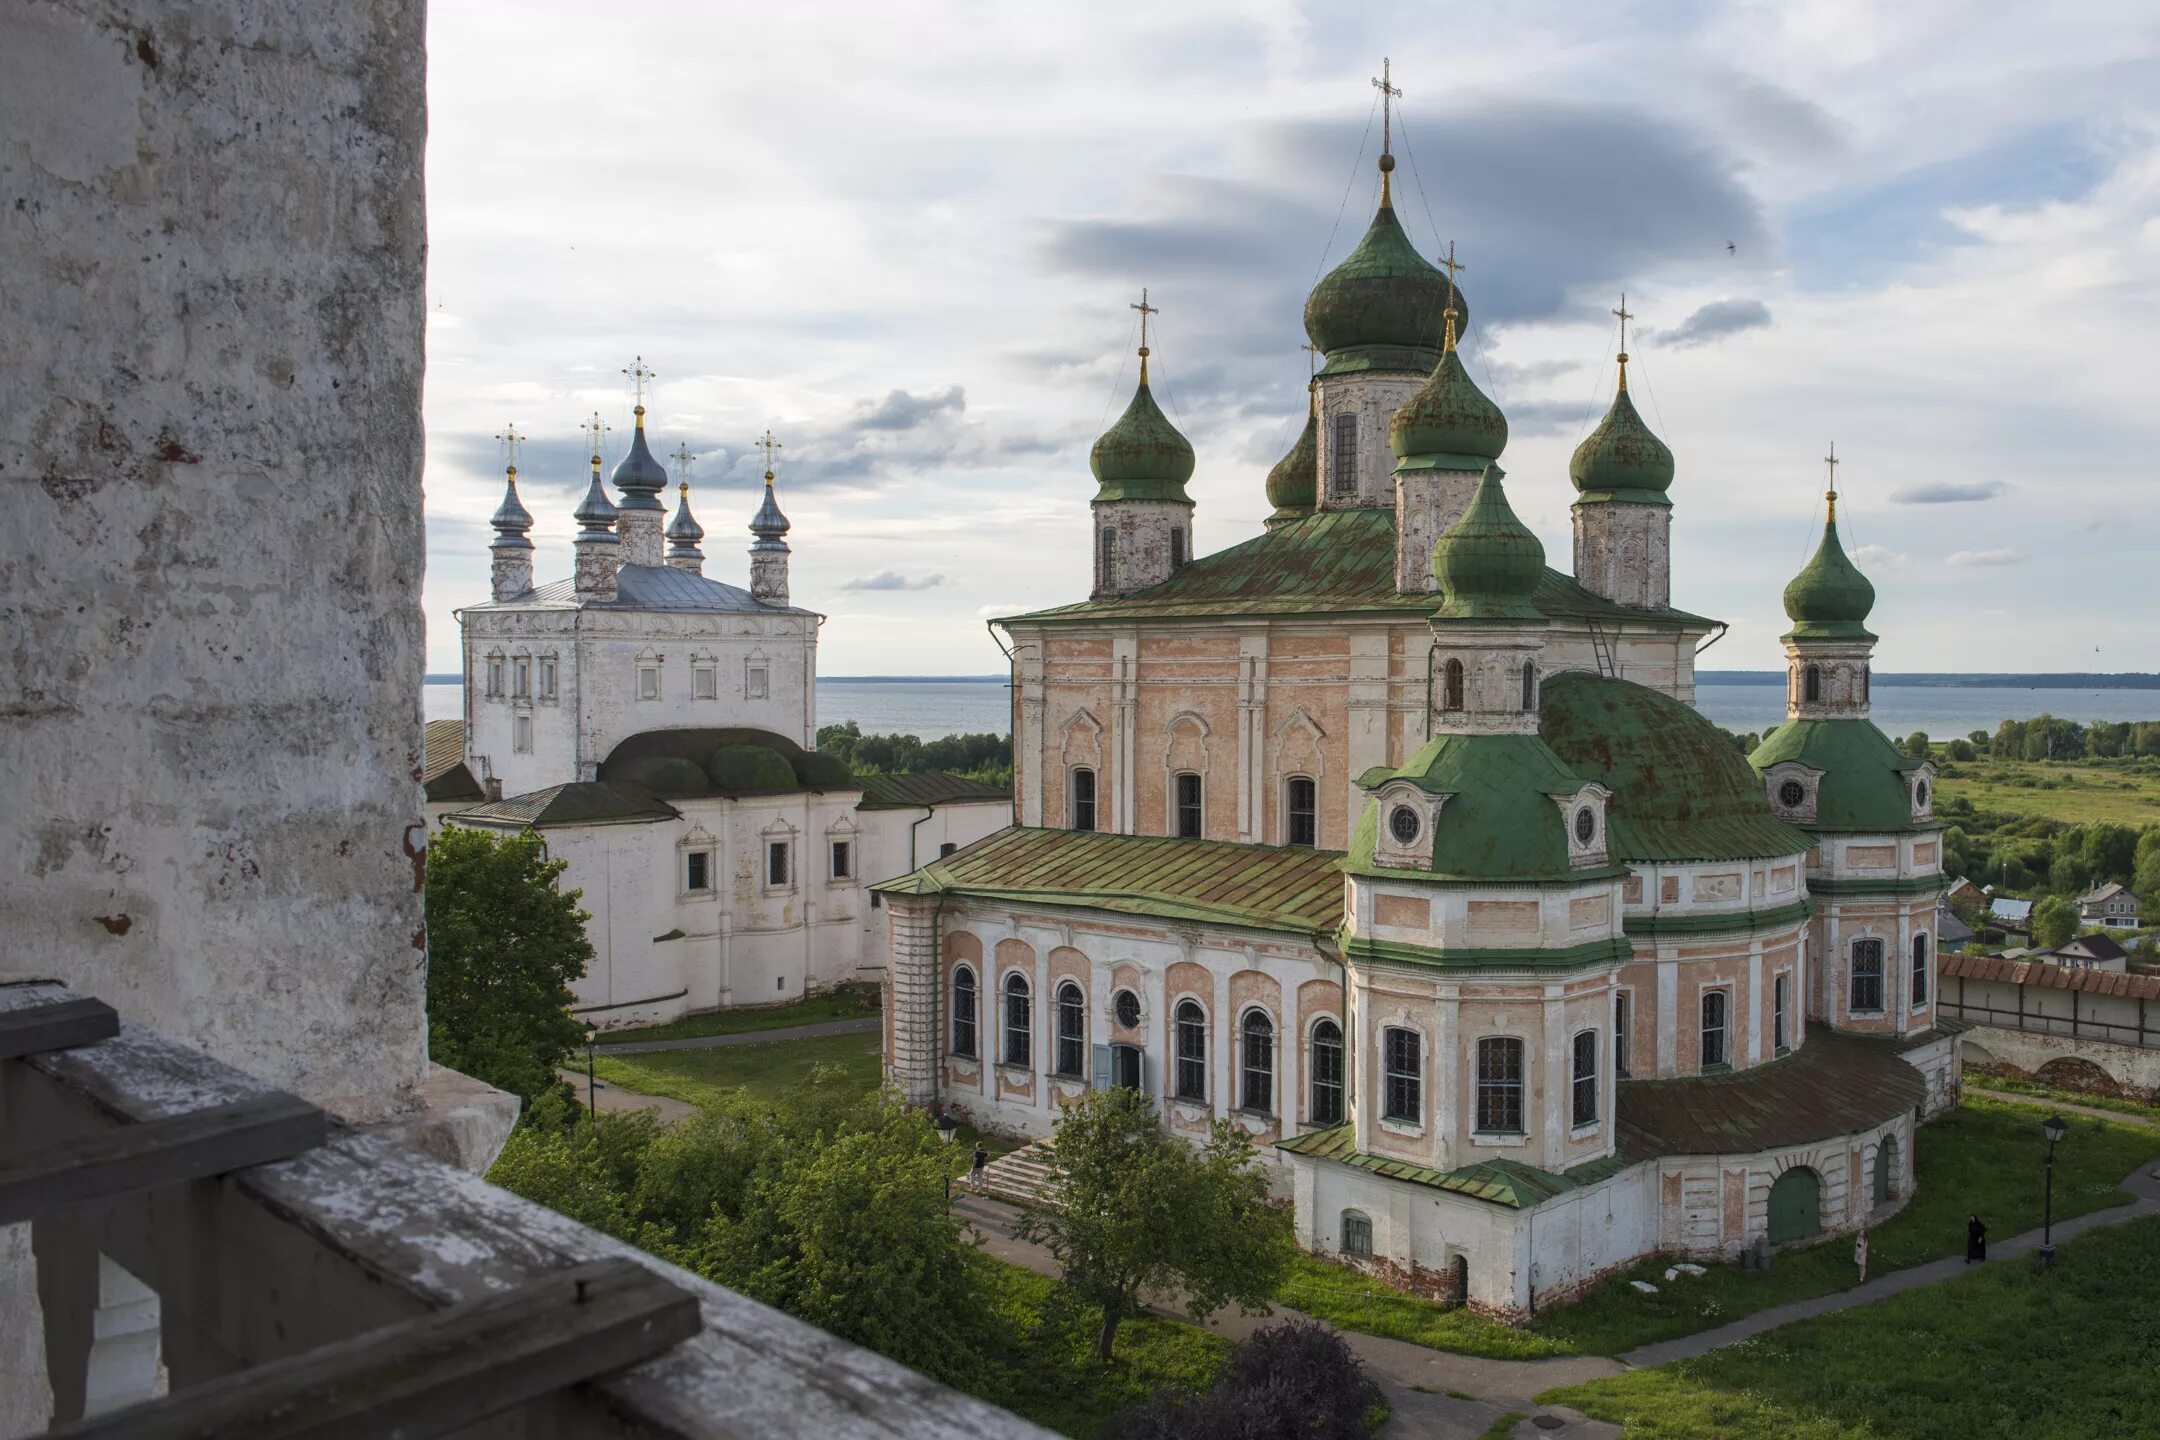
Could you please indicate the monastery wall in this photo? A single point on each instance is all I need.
(212, 726)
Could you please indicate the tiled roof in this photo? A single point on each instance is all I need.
(932, 787)
(443, 772)
(646, 587)
(1335, 562)
(2050, 977)
(1503, 1182)
(581, 802)
(2093, 947)
(1832, 1085)
(1264, 887)
(2106, 892)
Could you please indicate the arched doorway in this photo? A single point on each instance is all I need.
(1795, 1206)
(1886, 1164)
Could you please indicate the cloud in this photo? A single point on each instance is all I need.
(1880, 556)
(1716, 320)
(1947, 492)
(901, 411)
(1775, 116)
(1964, 559)
(1003, 607)
(893, 580)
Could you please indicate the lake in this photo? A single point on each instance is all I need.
(931, 708)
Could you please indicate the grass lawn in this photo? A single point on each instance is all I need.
(1982, 1158)
(1049, 1373)
(856, 1002)
(2075, 791)
(770, 1070)
(2007, 1352)
(2039, 1094)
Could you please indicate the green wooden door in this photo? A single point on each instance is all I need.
(1885, 1169)
(1795, 1206)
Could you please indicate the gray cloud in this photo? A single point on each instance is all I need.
(901, 411)
(1964, 559)
(893, 580)
(1776, 117)
(1947, 492)
(1714, 321)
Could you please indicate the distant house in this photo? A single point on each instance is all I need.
(1951, 933)
(2010, 914)
(2089, 952)
(2111, 905)
(1964, 887)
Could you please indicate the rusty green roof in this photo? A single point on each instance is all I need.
(1502, 1182)
(581, 802)
(1863, 786)
(1833, 1085)
(1264, 887)
(1681, 791)
(1501, 820)
(1334, 563)
(932, 787)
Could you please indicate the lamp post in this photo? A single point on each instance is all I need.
(2054, 1128)
(592, 1104)
(948, 1130)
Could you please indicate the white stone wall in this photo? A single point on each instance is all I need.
(1373, 397)
(212, 256)
(1427, 502)
(1624, 553)
(1143, 547)
(1843, 684)
(769, 576)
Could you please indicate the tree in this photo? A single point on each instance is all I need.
(1141, 1211)
(503, 946)
(1962, 750)
(1916, 744)
(839, 739)
(2145, 870)
(2054, 921)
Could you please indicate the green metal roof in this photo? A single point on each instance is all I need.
(581, 802)
(1488, 563)
(1622, 460)
(1293, 486)
(1863, 786)
(1501, 1182)
(1382, 307)
(1829, 598)
(1262, 887)
(932, 787)
(1500, 822)
(1334, 563)
(1449, 415)
(1833, 1085)
(1680, 789)
(1142, 456)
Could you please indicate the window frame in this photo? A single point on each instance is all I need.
(1310, 811)
(840, 858)
(648, 681)
(1139, 1011)
(1016, 1017)
(1811, 690)
(1718, 998)
(967, 1042)
(1069, 1031)
(521, 734)
(493, 666)
(1529, 685)
(1876, 973)
(1106, 558)
(550, 679)
(1188, 817)
(757, 680)
(1325, 1078)
(1918, 975)
(1343, 454)
(1075, 805)
(1453, 683)
(1188, 1052)
(1501, 1088)
(1402, 1086)
(1356, 1234)
(705, 682)
(1780, 999)
(521, 678)
(691, 855)
(779, 863)
(1256, 1061)
(1177, 547)
(1582, 1072)
(1623, 1019)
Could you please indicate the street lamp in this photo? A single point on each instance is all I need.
(948, 1130)
(592, 1104)
(2054, 1129)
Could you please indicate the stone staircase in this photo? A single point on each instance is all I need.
(1024, 1177)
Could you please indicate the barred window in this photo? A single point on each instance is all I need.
(1071, 1030)
(1343, 472)
(1256, 1069)
(1778, 1042)
(1302, 805)
(1622, 1014)
(1585, 1096)
(1327, 1073)
(1191, 1052)
(1500, 1086)
(1019, 1032)
(1402, 1076)
(1919, 970)
(1452, 698)
(1356, 1235)
(963, 1012)
(1188, 806)
(1083, 799)
(1713, 1029)
(1867, 975)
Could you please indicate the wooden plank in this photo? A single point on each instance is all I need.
(434, 1374)
(55, 1025)
(191, 1146)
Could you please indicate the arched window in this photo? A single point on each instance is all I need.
(963, 1012)
(1585, 1076)
(1811, 684)
(1622, 1014)
(1301, 812)
(1919, 969)
(1106, 568)
(1019, 1037)
(1256, 1065)
(1071, 1030)
(1327, 1073)
(1500, 1086)
(1402, 1076)
(1714, 1053)
(1343, 468)
(1188, 805)
(1452, 687)
(1867, 976)
(1177, 549)
(1529, 685)
(1190, 1051)
(1083, 798)
(1778, 1042)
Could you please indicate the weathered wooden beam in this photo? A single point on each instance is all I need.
(192, 1145)
(434, 1374)
(55, 1025)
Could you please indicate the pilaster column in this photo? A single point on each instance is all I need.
(911, 981)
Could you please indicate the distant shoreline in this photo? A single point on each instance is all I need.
(1953, 680)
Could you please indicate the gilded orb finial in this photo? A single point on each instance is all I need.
(1625, 315)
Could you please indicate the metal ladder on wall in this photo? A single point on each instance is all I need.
(1602, 648)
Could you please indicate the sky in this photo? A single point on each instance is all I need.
(906, 238)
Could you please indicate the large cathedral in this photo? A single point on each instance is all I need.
(1407, 853)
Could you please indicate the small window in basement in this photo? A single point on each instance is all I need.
(1356, 1235)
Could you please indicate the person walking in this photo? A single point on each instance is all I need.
(1975, 1239)
(975, 1172)
(1859, 1254)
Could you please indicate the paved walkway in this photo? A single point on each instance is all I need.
(613, 1100)
(748, 1037)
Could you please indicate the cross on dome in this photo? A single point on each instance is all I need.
(682, 458)
(1450, 264)
(769, 446)
(1832, 461)
(1145, 310)
(1625, 315)
(1388, 95)
(640, 375)
(594, 429)
(511, 442)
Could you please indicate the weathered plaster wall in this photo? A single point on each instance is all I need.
(211, 266)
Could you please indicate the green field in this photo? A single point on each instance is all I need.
(770, 1070)
(852, 1003)
(2006, 1352)
(2126, 792)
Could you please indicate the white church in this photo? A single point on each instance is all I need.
(658, 728)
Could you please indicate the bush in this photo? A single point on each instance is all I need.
(1296, 1380)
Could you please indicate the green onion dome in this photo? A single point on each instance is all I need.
(1449, 415)
(1293, 486)
(1488, 562)
(1142, 456)
(1622, 459)
(1829, 598)
(1383, 303)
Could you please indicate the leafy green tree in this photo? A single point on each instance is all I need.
(1979, 739)
(2054, 921)
(1917, 744)
(1140, 1211)
(2145, 871)
(504, 943)
(839, 739)
(1962, 750)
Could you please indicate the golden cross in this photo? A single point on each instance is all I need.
(1832, 461)
(769, 445)
(595, 428)
(1312, 360)
(640, 376)
(510, 440)
(683, 457)
(1625, 315)
(1145, 310)
(1388, 94)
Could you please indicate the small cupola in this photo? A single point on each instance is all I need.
(1622, 520)
(1488, 563)
(599, 552)
(1142, 514)
(512, 550)
(640, 479)
(1622, 461)
(1293, 486)
(683, 534)
(769, 550)
(1829, 650)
